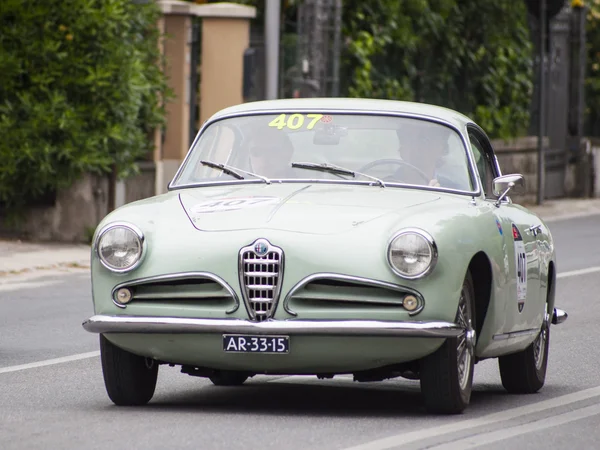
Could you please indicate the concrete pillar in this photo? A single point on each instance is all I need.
(172, 145)
(225, 37)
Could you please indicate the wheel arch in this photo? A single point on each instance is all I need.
(551, 287)
(481, 271)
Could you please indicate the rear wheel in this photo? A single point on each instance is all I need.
(228, 378)
(130, 379)
(525, 372)
(447, 374)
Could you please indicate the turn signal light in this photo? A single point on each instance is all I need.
(410, 303)
(123, 296)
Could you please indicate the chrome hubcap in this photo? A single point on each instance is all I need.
(466, 342)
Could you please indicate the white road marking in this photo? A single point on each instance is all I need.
(5, 287)
(518, 430)
(49, 362)
(39, 278)
(574, 273)
(490, 419)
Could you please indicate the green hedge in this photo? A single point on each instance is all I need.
(474, 56)
(80, 90)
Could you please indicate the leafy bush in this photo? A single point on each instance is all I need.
(80, 90)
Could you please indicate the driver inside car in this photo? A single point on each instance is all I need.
(422, 147)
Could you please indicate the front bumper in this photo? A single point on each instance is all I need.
(177, 325)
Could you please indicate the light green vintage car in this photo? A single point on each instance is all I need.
(328, 236)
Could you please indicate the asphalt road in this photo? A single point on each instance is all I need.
(53, 403)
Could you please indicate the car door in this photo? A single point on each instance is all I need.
(518, 237)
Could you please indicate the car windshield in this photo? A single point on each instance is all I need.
(360, 148)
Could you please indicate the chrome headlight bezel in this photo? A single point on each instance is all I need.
(432, 248)
(136, 231)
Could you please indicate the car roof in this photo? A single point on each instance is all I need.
(348, 104)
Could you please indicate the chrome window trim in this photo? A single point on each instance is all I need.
(478, 130)
(243, 287)
(179, 276)
(430, 241)
(351, 278)
(478, 192)
(132, 227)
(481, 134)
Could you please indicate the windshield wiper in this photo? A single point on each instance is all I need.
(233, 171)
(334, 169)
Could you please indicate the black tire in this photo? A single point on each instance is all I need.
(525, 372)
(445, 388)
(130, 379)
(228, 378)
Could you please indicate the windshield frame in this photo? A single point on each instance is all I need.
(473, 173)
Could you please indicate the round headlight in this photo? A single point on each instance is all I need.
(412, 253)
(120, 247)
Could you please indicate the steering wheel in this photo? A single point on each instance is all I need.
(399, 162)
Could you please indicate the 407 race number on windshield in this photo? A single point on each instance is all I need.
(297, 121)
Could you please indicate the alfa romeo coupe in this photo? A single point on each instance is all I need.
(322, 237)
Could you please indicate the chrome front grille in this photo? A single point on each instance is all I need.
(261, 274)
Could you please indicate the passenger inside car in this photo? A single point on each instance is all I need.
(270, 152)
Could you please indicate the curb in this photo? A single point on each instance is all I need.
(72, 266)
(18, 257)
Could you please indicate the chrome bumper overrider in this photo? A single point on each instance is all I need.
(179, 325)
(559, 316)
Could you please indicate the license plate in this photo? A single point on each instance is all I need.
(238, 343)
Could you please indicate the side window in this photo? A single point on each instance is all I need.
(484, 165)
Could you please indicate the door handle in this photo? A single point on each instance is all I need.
(535, 229)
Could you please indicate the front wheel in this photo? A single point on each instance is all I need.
(130, 379)
(525, 372)
(447, 374)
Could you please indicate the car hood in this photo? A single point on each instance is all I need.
(301, 208)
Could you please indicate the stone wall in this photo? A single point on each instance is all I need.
(72, 218)
(520, 156)
(578, 178)
(138, 187)
(76, 212)
(593, 150)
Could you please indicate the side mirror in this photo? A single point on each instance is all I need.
(505, 183)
